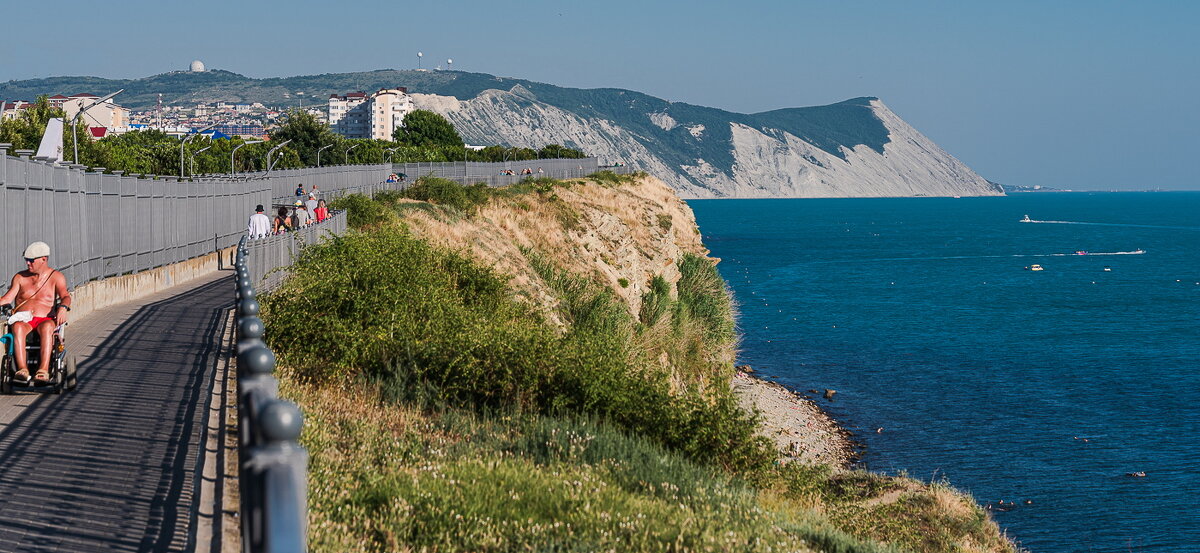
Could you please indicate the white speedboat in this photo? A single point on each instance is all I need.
(1027, 219)
(1036, 267)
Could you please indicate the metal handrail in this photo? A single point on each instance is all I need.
(273, 475)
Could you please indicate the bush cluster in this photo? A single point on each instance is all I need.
(427, 321)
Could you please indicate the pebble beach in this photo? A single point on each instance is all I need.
(796, 425)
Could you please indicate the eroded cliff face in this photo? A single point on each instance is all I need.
(757, 159)
(621, 236)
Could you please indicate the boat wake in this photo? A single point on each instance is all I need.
(1028, 220)
(949, 257)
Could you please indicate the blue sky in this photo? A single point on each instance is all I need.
(1073, 94)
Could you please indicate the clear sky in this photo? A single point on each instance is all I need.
(1077, 94)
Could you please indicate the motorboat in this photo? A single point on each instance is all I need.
(1080, 252)
(1027, 219)
(1035, 267)
(1107, 269)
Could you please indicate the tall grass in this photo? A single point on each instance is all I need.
(395, 479)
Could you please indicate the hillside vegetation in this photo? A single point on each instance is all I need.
(546, 367)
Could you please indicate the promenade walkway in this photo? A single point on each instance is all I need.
(115, 466)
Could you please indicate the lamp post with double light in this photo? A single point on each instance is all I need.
(271, 165)
(183, 145)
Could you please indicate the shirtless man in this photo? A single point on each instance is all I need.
(35, 290)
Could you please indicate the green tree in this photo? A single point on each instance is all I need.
(428, 129)
(551, 151)
(26, 130)
(307, 135)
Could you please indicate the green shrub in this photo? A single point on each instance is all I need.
(432, 323)
(623, 282)
(361, 211)
(443, 192)
(607, 177)
(702, 294)
(655, 301)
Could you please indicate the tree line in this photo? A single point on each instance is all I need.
(425, 136)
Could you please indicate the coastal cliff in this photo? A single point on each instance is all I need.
(550, 366)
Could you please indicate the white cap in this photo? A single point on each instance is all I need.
(36, 250)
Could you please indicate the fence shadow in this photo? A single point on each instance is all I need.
(114, 465)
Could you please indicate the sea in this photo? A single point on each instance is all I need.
(952, 360)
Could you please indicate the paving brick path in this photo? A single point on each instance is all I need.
(113, 466)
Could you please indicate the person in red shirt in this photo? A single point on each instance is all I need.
(321, 211)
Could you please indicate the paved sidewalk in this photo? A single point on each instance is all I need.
(113, 466)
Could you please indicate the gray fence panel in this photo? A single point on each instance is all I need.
(104, 225)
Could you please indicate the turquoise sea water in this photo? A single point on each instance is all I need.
(919, 312)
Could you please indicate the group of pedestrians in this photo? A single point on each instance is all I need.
(303, 213)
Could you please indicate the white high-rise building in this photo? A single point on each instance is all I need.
(377, 116)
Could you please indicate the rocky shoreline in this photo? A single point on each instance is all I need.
(796, 425)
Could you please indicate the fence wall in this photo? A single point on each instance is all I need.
(101, 225)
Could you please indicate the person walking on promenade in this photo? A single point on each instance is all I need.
(300, 216)
(311, 203)
(283, 223)
(259, 225)
(321, 212)
(42, 305)
(300, 190)
(315, 191)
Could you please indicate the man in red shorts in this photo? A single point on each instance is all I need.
(42, 305)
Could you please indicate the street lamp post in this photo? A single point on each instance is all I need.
(272, 151)
(196, 153)
(390, 153)
(78, 114)
(356, 144)
(319, 153)
(232, 171)
(184, 142)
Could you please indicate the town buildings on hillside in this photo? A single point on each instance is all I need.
(353, 115)
(357, 115)
(99, 117)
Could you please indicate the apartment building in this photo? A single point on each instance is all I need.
(357, 115)
(106, 114)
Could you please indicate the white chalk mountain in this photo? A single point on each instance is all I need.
(799, 152)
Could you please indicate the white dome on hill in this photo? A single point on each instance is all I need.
(197, 66)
